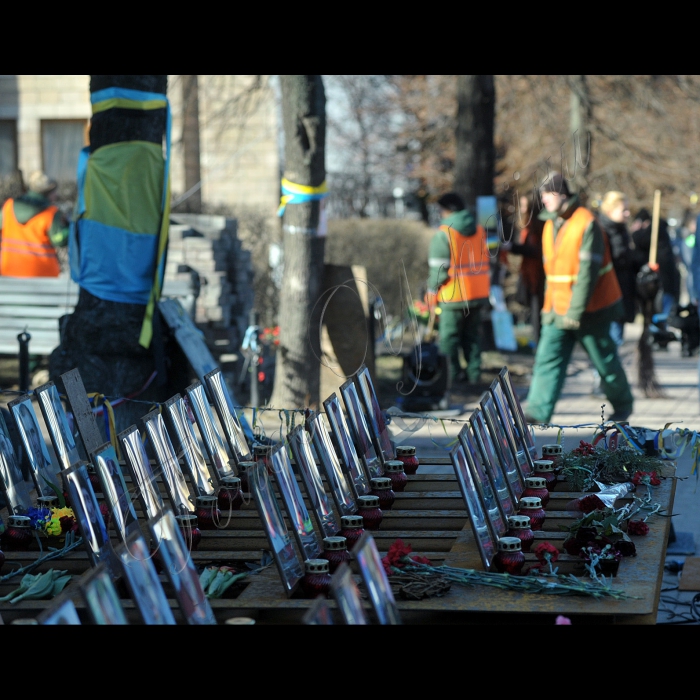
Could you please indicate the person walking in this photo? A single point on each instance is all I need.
(582, 297)
(459, 281)
(32, 227)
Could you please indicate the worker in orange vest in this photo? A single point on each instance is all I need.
(32, 229)
(582, 297)
(459, 281)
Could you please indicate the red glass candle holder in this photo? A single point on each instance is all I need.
(407, 455)
(381, 488)
(18, 536)
(532, 507)
(554, 453)
(317, 578)
(519, 526)
(189, 527)
(536, 486)
(261, 453)
(394, 470)
(509, 559)
(230, 496)
(335, 549)
(351, 528)
(368, 508)
(544, 468)
(207, 512)
(94, 479)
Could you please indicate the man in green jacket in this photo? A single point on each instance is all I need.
(459, 281)
(582, 298)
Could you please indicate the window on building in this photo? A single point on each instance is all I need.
(61, 142)
(8, 147)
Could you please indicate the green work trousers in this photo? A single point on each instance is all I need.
(551, 360)
(461, 328)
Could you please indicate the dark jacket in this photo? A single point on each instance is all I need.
(623, 262)
(669, 276)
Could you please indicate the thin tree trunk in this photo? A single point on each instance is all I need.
(190, 142)
(297, 374)
(475, 157)
(580, 118)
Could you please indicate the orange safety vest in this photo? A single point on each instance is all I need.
(469, 274)
(25, 249)
(562, 262)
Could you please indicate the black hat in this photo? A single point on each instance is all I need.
(554, 182)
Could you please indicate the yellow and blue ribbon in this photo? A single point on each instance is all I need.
(293, 193)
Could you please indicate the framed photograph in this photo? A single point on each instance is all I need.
(486, 539)
(142, 476)
(349, 458)
(227, 416)
(87, 512)
(302, 527)
(177, 417)
(347, 596)
(524, 430)
(64, 443)
(61, 612)
(43, 470)
(143, 582)
(521, 455)
(501, 445)
(213, 442)
(101, 598)
(15, 488)
(358, 421)
(115, 490)
(290, 569)
(319, 613)
(339, 484)
(484, 483)
(376, 581)
(377, 420)
(491, 463)
(175, 485)
(300, 443)
(180, 570)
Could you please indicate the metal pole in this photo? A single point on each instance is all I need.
(24, 339)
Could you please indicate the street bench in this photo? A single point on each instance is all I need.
(36, 304)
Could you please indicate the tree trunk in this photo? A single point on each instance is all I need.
(297, 373)
(190, 142)
(580, 116)
(475, 156)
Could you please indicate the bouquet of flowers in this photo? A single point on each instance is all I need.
(53, 522)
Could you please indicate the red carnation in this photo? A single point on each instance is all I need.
(637, 527)
(422, 560)
(587, 504)
(546, 548)
(646, 478)
(397, 551)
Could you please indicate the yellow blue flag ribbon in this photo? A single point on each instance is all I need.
(292, 193)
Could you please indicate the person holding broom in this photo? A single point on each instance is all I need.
(582, 298)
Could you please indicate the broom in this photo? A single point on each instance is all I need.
(647, 289)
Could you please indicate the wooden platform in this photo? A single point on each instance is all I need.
(430, 516)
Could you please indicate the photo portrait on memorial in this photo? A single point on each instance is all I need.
(283, 552)
(61, 612)
(375, 414)
(115, 490)
(376, 581)
(347, 596)
(16, 489)
(57, 423)
(87, 512)
(187, 445)
(102, 599)
(181, 571)
(141, 472)
(361, 431)
(42, 468)
(143, 582)
(176, 486)
(347, 452)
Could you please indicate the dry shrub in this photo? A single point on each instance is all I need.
(384, 247)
